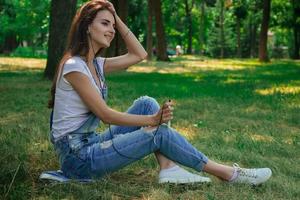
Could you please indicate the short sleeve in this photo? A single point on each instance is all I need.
(74, 65)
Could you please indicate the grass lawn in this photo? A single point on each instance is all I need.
(232, 110)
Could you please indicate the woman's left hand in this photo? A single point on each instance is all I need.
(165, 113)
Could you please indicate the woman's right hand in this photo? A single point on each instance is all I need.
(110, 7)
(164, 114)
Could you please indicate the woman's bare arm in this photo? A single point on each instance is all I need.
(97, 105)
(136, 51)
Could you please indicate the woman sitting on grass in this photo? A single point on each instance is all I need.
(79, 95)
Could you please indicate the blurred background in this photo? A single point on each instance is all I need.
(213, 28)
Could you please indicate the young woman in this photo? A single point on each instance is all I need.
(79, 96)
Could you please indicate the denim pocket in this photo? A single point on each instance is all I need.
(77, 141)
(83, 153)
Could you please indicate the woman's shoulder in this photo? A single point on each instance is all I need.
(74, 63)
(74, 60)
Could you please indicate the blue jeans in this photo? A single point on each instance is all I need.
(86, 154)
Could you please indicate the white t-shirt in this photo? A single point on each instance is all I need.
(70, 112)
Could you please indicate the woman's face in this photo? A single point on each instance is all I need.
(102, 29)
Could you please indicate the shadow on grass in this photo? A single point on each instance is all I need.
(25, 92)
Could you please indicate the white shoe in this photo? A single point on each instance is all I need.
(251, 176)
(179, 175)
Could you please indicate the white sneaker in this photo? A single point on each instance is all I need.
(179, 175)
(251, 176)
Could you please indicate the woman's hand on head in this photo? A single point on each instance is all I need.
(110, 7)
(164, 114)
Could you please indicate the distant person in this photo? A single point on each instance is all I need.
(178, 50)
(79, 95)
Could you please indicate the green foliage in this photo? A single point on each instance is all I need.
(29, 52)
(28, 21)
(214, 40)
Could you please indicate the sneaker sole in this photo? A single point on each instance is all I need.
(179, 181)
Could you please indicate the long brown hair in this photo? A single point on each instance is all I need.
(77, 43)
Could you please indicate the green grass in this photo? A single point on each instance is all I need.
(232, 110)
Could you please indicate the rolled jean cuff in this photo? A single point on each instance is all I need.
(202, 163)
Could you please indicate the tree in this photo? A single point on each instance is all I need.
(296, 28)
(202, 27)
(221, 23)
(149, 30)
(188, 12)
(8, 34)
(60, 22)
(15, 31)
(161, 47)
(123, 13)
(117, 46)
(204, 4)
(250, 38)
(263, 51)
(240, 13)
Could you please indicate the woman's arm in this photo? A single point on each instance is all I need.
(136, 51)
(97, 105)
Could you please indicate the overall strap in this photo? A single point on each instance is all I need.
(51, 120)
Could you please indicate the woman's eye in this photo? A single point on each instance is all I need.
(104, 23)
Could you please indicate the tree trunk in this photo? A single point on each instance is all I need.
(296, 43)
(123, 13)
(263, 40)
(222, 37)
(296, 28)
(149, 31)
(253, 42)
(9, 44)
(117, 46)
(238, 29)
(112, 50)
(189, 24)
(202, 28)
(62, 13)
(161, 50)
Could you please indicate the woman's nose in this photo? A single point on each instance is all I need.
(113, 30)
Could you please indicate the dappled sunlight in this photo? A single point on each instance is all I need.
(216, 109)
(11, 118)
(229, 138)
(233, 81)
(281, 89)
(7, 63)
(164, 70)
(192, 64)
(188, 132)
(261, 138)
(211, 65)
(156, 194)
(255, 108)
(37, 146)
(288, 141)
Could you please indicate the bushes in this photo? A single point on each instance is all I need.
(30, 52)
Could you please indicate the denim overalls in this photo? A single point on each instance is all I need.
(85, 154)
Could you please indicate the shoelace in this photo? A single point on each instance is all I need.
(245, 172)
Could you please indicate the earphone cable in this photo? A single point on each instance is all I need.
(110, 132)
(126, 156)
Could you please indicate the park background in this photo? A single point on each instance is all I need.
(235, 83)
